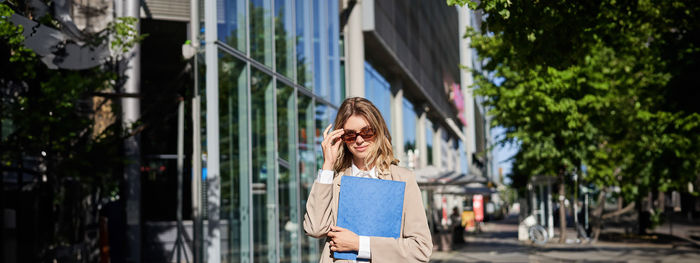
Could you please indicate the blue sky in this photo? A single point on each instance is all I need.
(502, 154)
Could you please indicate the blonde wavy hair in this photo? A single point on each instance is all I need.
(381, 153)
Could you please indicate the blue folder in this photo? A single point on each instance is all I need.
(369, 207)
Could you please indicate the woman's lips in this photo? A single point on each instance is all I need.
(361, 148)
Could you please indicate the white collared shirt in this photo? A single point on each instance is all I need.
(326, 177)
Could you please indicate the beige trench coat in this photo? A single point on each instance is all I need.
(415, 243)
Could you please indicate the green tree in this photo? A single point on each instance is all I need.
(49, 131)
(605, 84)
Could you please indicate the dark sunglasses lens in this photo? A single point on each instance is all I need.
(367, 134)
(349, 137)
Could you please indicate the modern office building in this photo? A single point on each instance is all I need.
(269, 75)
(282, 69)
(405, 56)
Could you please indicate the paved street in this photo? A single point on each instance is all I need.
(498, 243)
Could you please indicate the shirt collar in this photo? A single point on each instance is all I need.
(356, 171)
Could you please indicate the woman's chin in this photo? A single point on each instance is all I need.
(360, 154)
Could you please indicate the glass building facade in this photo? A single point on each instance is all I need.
(409, 134)
(378, 90)
(278, 68)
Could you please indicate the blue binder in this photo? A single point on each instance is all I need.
(369, 207)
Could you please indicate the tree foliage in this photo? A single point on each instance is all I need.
(50, 133)
(609, 85)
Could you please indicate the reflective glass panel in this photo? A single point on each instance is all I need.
(261, 31)
(288, 190)
(304, 42)
(342, 80)
(285, 122)
(333, 51)
(284, 37)
(232, 143)
(307, 169)
(321, 123)
(324, 115)
(429, 140)
(320, 46)
(444, 148)
(378, 91)
(263, 152)
(409, 134)
(289, 227)
(201, 80)
(230, 21)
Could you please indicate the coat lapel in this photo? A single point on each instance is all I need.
(385, 175)
(336, 192)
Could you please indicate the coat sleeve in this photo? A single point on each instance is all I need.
(416, 244)
(318, 218)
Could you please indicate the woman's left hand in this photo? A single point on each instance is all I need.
(343, 239)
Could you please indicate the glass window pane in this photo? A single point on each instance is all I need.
(289, 226)
(264, 190)
(234, 173)
(304, 43)
(285, 121)
(429, 140)
(409, 133)
(342, 80)
(261, 31)
(378, 91)
(288, 190)
(333, 51)
(320, 40)
(444, 148)
(230, 21)
(307, 167)
(284, 37)
(324, 113)
(201, 80)
(159, 176)
(321, 123)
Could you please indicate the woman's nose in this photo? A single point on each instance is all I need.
(359, 139)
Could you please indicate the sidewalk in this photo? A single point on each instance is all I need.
(686, 231)
(498, 243)
(679, 233)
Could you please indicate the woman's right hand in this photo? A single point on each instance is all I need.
(331, 147)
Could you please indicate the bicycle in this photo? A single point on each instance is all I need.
(537, 233)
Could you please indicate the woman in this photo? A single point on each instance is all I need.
(362, 147)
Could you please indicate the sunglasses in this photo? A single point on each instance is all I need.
(366, 133)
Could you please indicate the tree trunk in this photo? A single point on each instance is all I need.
(597, 216)
(643, 213)
(619, 208)
(562, 209)
(619, 212)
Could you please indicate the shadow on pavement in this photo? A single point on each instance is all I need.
(656, 238)
(498, 243)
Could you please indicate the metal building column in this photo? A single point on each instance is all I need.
(196, 139)
(396, 105)
(421, 139)
(131, 113)
(466, 80)
(354, 53)
(437, 148)
(213, 191)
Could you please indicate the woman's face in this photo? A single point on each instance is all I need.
(359, 147)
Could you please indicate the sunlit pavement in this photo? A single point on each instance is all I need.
(498, 243)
